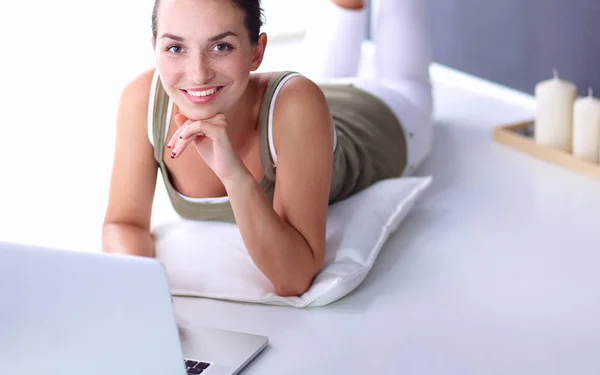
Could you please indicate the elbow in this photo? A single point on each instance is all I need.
(111, 233)
(126, 239)
(107, 237)
(292, 289)
(295, 286)
(297, 281)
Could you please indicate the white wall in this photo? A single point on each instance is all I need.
(63, 64)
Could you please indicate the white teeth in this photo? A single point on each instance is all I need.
(202, 93)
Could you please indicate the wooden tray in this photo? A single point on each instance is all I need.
(520, 137)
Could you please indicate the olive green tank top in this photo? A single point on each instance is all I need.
(370, 146)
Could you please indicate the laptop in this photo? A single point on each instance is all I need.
(66, 312)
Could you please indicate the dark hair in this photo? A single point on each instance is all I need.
(254, 18)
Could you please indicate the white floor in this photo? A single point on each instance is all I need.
(495, 271)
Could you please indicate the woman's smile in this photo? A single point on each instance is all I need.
(202, 95)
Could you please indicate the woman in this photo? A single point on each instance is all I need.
(268, 151)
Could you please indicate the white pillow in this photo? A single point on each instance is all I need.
(208, 259)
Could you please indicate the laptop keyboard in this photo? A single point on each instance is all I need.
(195, 367)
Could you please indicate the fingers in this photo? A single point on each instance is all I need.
(180, 120)
(196, 128)
(183, 141)
(180, 146)
(190, 131)
(175, 137)
(186, 134)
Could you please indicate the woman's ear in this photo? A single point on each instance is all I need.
(259, 51)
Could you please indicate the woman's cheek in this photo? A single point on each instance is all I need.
(168, 77)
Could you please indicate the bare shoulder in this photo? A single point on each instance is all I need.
(296, 91)
(137, 91)
(301, 91)
(302, 106)
(301, 113)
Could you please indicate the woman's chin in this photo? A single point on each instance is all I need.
(197, 112)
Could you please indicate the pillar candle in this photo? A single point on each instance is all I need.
(586, 128)
(554, 113)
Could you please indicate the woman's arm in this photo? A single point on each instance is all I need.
(126, 228)
(286, 240)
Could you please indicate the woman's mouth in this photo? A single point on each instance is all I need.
(202, 96)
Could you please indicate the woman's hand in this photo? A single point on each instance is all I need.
(212, 142)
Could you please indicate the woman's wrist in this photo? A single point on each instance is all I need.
(239, 178)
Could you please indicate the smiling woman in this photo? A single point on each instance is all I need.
(266, 151)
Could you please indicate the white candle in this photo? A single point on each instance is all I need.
(554, 113)
(586, 128)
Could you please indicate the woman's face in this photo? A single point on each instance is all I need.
(204, 55)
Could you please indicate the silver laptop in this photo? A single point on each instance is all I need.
(65, 312)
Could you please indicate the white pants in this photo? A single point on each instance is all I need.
(403, 52)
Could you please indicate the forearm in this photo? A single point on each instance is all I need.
(127, 239)
(277, 249)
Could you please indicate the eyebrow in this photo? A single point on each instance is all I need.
(211, 39)
(222, 35)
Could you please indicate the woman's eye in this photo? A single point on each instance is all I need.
(174, 49)
(221, 47)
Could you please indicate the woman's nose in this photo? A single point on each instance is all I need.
(200, 69)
